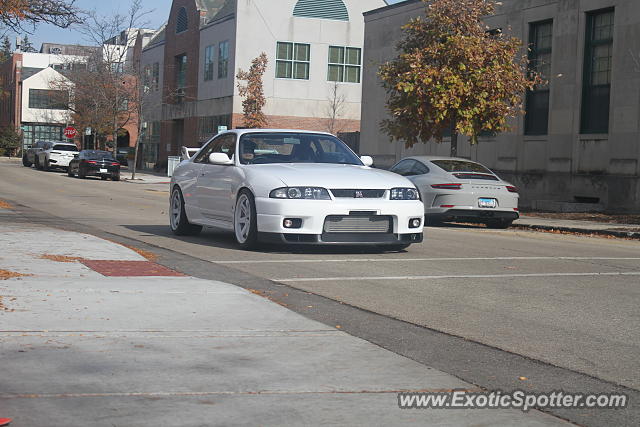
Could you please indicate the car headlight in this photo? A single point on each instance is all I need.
(404, 194)
(310, 193)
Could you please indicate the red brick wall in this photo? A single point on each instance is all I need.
(304, 123)
(187, 42)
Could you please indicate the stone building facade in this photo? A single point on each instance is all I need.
(580, 139)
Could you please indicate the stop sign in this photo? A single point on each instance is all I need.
(70, 132)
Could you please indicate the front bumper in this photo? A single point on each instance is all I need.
(472, 215)
(313, 213)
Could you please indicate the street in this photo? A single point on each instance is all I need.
(570, 302)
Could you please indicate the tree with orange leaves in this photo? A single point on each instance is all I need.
(15, 13)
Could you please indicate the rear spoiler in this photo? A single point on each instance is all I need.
(186, 153)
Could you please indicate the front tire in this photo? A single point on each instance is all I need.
(70, 172)
(46, 166)
(37, 163)
(178, 220)
(115, 177)
(245, 220)
(26, 162)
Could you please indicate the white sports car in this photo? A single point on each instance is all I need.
(293, 187)
(459, 189)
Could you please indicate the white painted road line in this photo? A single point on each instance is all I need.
(531, 258)
(453, 276)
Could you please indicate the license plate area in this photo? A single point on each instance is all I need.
(487, 203)
(104, 171)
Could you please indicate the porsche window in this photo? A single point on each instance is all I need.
(461, 166)
(262, 148)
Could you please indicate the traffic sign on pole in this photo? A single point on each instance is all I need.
(70, 132)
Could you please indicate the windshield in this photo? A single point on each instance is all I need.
(460, 166)
(98, 155)
(65, 147)
(289, 147)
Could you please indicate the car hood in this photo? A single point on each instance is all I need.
(331, 175)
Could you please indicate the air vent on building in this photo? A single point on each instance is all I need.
(55, 50)
(182, 23)
(322, 9)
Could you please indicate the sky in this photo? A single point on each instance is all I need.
(49, 33)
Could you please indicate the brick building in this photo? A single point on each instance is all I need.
(191, 63)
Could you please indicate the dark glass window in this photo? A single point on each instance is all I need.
(344, 64)
(48, 99)
(292, 60)
(182, 23)
(208, 62)
(223, 59)
(181, 71)
(537, 102)
(155, 81)
(596, 86)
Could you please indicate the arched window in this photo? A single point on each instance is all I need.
(322, 9)
(183, 22)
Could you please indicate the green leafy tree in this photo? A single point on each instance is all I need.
(453, 75)
(253, 93)
(9, 141)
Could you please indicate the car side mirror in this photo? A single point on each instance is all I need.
(220, 159)
(367, 160)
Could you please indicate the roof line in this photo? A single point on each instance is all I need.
(389, 7)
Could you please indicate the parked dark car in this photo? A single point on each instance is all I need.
(95, 163)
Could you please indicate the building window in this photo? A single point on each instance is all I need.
(208, 62)
(146, 81)
(155, 79)
(181, 71)
(537, 102)
(344, 64)
(223, 59)
(33, 133)
(292, 60)
(48, 99)
(182, 22)
(596, 85)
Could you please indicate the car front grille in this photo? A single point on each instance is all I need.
(357, 193)
(357, 224)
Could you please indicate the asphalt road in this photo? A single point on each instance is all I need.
(568, 301)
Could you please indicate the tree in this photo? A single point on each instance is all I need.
(452, 74)
(104, 90)
(9, 140)
(15, 13)
(27, 46)
(334, 109)
(5, 49)
(253, 92)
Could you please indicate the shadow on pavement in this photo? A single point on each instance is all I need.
(222, 239)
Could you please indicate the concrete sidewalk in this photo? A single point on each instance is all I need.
(85, 342)
(579, 226)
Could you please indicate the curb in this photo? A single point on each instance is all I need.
(614, 233)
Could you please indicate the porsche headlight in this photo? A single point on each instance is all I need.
(309, 193)
(404, 194)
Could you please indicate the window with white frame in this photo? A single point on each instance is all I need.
(345, 64)
(292, 60)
